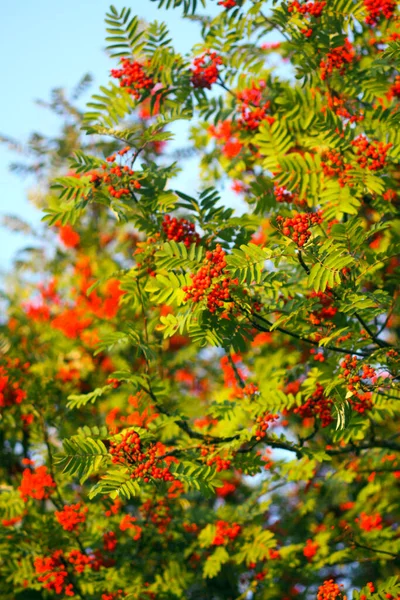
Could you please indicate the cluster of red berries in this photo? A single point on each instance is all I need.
(205, 285)
(343, 338)
(128, 522)
(395, 88)
(231, 375)
(371, 590)
(71, 516)
(67, 235)
(337, 59)
(390, 195)
(10, 390)
(298, 226)
(334, 165)
(247, 390)
(109, 541)
(327, 312)
(317, 405)
(283, 195)
(371, 155)
(310, 549)
(225, 489)
(119, 180)
(133, 77)
(227, 3)
(337, 104)
(180, 230)
(115, 383)
(114, 509)
(314, 9)
(263, 422)
(318, 355)
(378, 8)
(330, 590)
(81, 561)
(221, 464)
(359, 401)
(311, 8)
(205, 70)
(225, 532)
(369, 522)
(38, 485)
(253, 110)
(113, 595)
(158, 512)
(53, 573)
(128, 452)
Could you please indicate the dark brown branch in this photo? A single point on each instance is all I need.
(358, 545)
(365, 446)
(236, 372)
(303, 339)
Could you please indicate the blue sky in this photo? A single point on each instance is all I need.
(49, 44)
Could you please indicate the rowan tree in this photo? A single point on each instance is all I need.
(200, 401)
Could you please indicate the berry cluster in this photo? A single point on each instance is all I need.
(129, 452)
(115, 383)
(395, 88)
(133, 77)
(53, 573)
(310, 549)
(311, 8)
(207, 284)
(67, 235)
(263, 422)
(334, 165)
(297, 227)
(119, 181)
(369, 522)
(158, 512)
(379, 8)
(221, 464)
(38, 485)
(225, 489)
(10, 390)
(337, 59)
(128, 522)
(337, 104)
(117, 177)
(390, 195)
(71, 516)
(234, 377)
(253, 110)
(180, 230)
(360, 402)
(205, 70)
(227, 3)
(109, 541)
(371, 155)
(317, 406)
(113, 595)
(283, 195)
(225, 132)
(314, 9)
(330, 590)
(81, 561)
(225, 533)
(327, 312)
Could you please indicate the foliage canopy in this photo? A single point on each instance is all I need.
(199, 401)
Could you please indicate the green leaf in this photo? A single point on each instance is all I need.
(82, 456)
